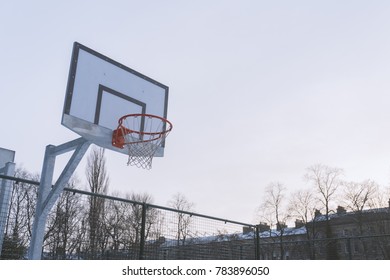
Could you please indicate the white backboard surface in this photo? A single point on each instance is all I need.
(101, 90)
(6, 156)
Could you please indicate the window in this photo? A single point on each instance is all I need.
(356, 246)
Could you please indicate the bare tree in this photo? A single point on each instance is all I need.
(274, 210)
(96, 171)
(381, 226)
(150, 214)
(115, 220)
(181, 203)
(20, 215)
(134, 219)
(380, 198)
(326, 181)
(302, 207)
(63, 224)
(98, 182)
(359, 196)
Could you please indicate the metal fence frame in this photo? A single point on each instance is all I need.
(255, 245)
(146, 206)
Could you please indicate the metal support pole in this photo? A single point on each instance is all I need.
(47, 196)
(5, 197)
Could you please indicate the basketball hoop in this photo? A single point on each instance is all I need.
(142, 135)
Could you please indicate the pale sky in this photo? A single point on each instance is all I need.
(258, 90)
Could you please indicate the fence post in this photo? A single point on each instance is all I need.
(143, 228)
(257, 252)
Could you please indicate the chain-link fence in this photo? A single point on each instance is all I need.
(84, 225)
(344, 248)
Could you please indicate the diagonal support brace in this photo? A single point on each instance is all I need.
(47, 196)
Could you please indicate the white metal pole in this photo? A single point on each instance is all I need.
(47, 196)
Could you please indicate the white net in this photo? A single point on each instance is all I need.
(143, 136)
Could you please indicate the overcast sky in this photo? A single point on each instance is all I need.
(259, 90)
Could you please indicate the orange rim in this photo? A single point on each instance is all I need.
(118, 136)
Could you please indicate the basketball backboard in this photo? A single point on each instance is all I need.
(6, 156)
(101, 90)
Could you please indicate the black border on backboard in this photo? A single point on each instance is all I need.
(103, 89)
(73, 69)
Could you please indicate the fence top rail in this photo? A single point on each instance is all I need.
(27, 181)
(273, 241)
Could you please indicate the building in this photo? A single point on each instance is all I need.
(351, 235)
(345, 235)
